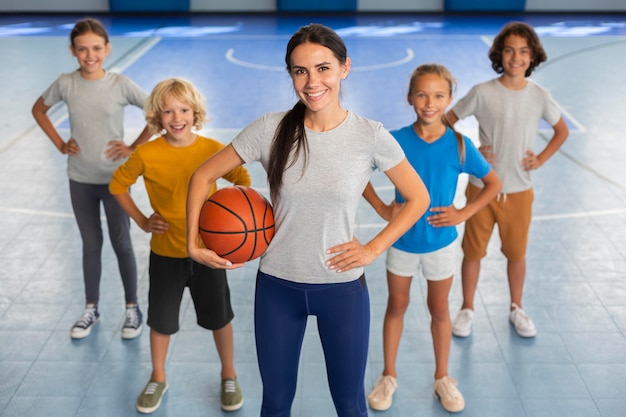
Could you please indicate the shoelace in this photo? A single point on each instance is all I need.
(464, 318)
(229, 386)
(446, 385)
(521, 318)
(151, 388)
(520, 314)
(86, 319)
(383, 389)
(132, 318)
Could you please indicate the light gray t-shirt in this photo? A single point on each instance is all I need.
(508, 120)
(96, 116)
(318, 203)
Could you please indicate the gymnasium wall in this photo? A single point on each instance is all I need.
(103, 6)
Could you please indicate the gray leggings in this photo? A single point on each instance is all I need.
(86, 200)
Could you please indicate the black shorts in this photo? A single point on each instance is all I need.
(208, 288)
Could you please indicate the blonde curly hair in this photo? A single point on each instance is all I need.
(183, 91)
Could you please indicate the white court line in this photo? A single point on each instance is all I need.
(597, 213)
(45, 213)
(118, 67)
(135, 55)
(535, 218)
(230, 56)
(58, 112)
(578, 215)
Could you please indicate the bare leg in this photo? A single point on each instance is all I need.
(440, 324)
(225, 345)
(469, 277)
(397, 304)
(159, 344)
(517, 273)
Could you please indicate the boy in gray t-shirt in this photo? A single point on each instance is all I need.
(508, 110)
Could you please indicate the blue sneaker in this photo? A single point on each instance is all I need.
(85, 323)
(132, 324)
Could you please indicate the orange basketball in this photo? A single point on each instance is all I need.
(237, 223)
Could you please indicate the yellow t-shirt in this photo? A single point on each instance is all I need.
(166, 172)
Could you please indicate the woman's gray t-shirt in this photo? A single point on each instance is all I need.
(318, 202)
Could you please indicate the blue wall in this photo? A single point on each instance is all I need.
(275, 5)
(317, 5)
(149, 5)
(485, 5)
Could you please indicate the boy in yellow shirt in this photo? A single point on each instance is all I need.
(166, 164)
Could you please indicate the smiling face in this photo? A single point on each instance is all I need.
(516, 56)
(430, 95)
(316, 74)
(177, 118)
(90, 50)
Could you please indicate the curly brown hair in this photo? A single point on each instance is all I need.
(525, 31)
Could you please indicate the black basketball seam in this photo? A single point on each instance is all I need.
(254, 242)
(228, 210)
(268, 208)
(237, 216)
(246, 231)
(220, 232)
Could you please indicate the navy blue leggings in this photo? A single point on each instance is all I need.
(281, 310)
(86, 200)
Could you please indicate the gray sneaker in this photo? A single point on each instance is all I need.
(231, 396)
(150, 398)
(85, 323)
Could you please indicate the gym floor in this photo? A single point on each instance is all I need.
(576, 281)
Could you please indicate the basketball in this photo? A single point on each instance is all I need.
(237, 223)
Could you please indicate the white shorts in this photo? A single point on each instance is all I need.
(436, 266)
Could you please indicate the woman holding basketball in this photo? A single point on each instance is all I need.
(318, 157)
(95, 101)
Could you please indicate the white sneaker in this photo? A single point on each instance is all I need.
(381, 396)
(451, 398)
(524, 326)
(462, 324)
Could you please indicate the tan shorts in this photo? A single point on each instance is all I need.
(511, 212)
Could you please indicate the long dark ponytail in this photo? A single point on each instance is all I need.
(290, 137)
